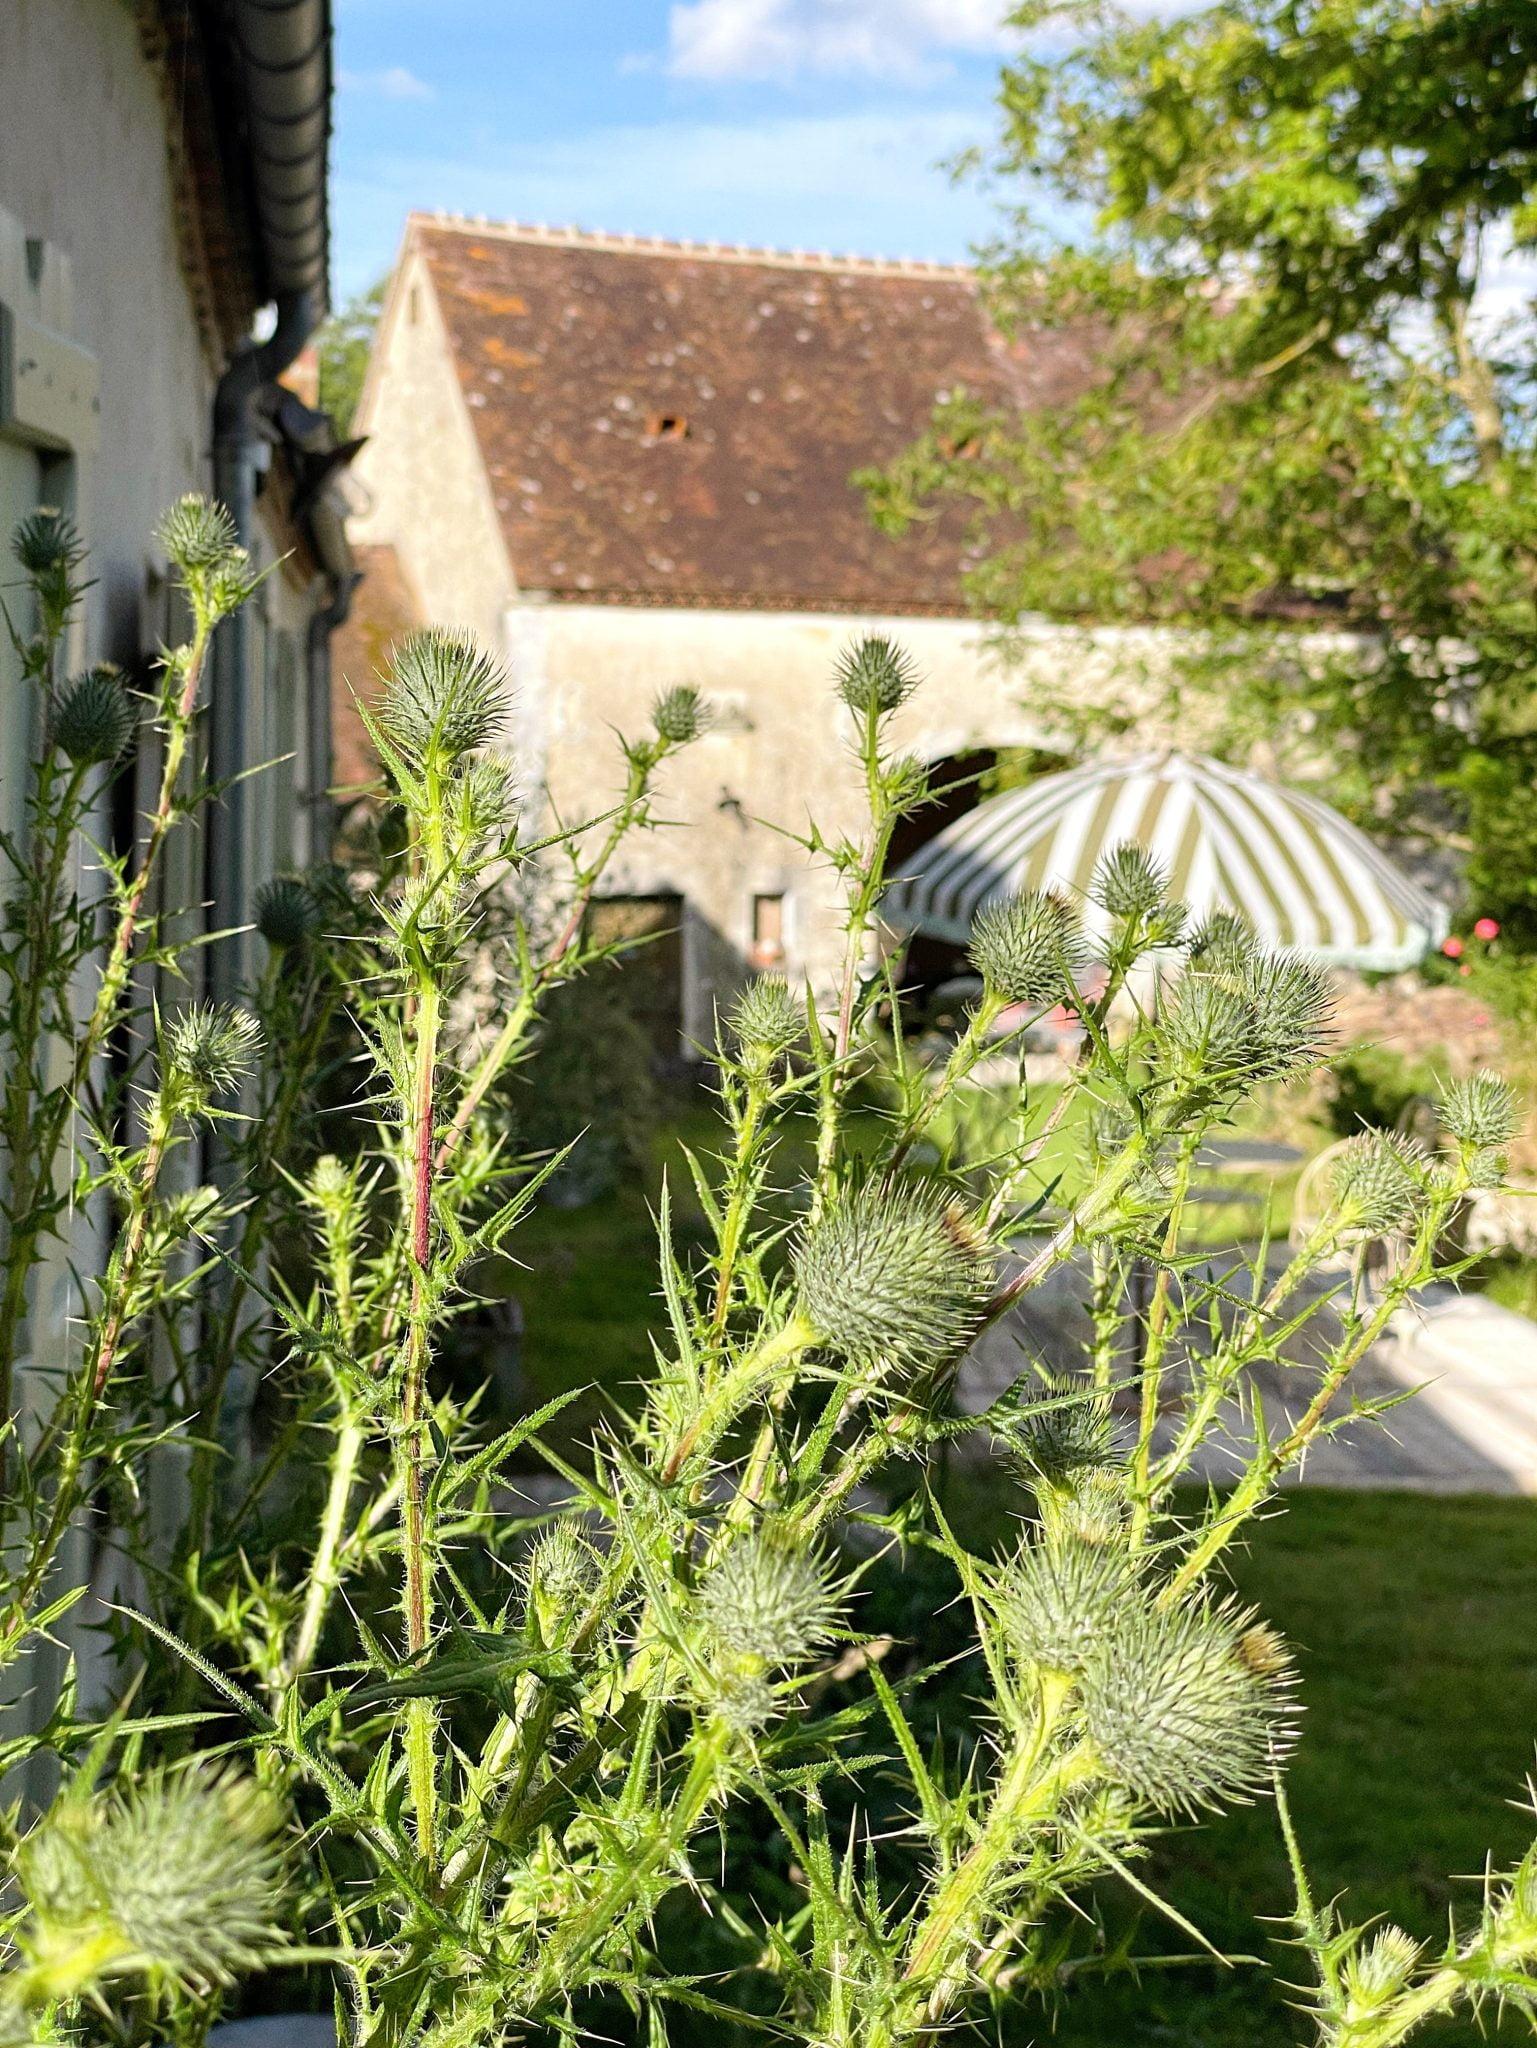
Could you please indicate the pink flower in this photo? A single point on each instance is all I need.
(1464, 968)
(1487, 928)
(1452, 948)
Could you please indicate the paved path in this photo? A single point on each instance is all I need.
(1471, 1427)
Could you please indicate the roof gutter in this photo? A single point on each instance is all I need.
(282, 58)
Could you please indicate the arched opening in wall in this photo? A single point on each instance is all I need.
(964, 780)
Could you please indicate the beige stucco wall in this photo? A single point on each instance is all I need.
(420, 483)
(778, 753)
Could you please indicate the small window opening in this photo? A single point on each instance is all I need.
(768, 933)
(668, 426)
(413, 305)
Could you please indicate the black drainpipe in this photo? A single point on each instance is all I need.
(235, 444)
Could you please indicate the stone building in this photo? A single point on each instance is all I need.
(162, 193)
(628, 464)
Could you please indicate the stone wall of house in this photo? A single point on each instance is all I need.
(421, 485)
(778, 753)
(85, 177)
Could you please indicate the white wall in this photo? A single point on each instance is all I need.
(779, 752)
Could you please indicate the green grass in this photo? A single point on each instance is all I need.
(1412, 1619)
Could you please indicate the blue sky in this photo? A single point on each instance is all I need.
(818, 124)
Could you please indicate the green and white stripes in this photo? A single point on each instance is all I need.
(1300, 874)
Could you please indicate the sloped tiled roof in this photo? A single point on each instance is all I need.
(669, 424)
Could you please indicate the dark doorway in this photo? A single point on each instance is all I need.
(651, 973)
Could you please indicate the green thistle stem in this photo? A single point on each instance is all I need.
(325, 1572)
(742, 1383)
(1029, 1791)
(415, 1543)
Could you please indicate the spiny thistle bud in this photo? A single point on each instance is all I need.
(287, 912)
(1378, 1970)
(1091, 1505)
(209, 1049)
(197, 534)
(1293, 1006)
(1129, 883)
(561, 1573)
(1187, 1706)
(769, 1601)
(46, 544)
(1026, 948)
(745, 1701)
(1209, 1028)
(1058, 1600)
(486, 796)
(1222, 943)
(874, 677)
(679, 715)
(179, 1876)
(765, 1022)
(1481, 1111)
(443, 697)
(885, 1278)
(1066, 1431)
(94, 718)
(1378, 1182)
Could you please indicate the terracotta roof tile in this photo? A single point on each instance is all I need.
(674, 424)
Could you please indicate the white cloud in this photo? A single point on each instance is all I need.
(395, 82)
(720, 39)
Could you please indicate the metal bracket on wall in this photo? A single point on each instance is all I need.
(49, 391)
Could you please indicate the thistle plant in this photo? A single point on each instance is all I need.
(514, 1739)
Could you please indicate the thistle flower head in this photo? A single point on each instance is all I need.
(486, 796)
(94, 718)
(1209, 1028)
(874, 676)
(745, 1701)
(1222, 943)
(765, 1022)
(179, 1876)
(1293, 1006)
(209, 1049)
(1379, 1182)
(1376, 1971)
(1058, 1600)
(768, 1600)
(886, 1278)
(561, 1573)
(1090, 1505)
(288, 914)
(443, 697)
(1026, 948)
(1067, 1430)
(46, 544)
(679, 715)
(198, 535)
(1481, 1111)
(1129, 883)
(1187, 1706)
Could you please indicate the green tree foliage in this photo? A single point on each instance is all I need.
(346, 342)
(1283, 218)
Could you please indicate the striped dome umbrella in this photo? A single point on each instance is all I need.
(1295, 869)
